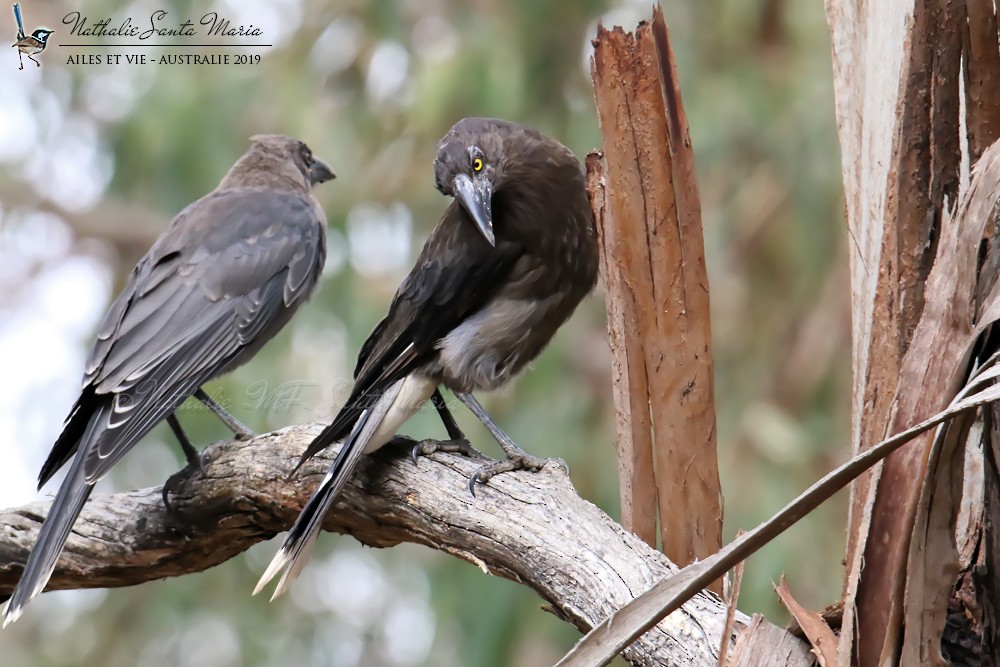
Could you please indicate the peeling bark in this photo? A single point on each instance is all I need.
(658, 300)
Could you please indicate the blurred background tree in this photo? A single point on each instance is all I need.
(95, 160)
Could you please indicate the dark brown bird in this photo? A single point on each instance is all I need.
(226, 275)
(512, 258)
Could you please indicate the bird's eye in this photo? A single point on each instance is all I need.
(477, 165)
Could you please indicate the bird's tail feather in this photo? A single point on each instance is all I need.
(65, 509)
(329, 435)
(20, 21)
(294, 552)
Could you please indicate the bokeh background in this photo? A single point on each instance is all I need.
(95, 160)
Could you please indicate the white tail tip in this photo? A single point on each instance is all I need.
(11, 614)
(278, 563)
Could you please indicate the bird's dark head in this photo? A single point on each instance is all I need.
(275, 160)
(471, 166)
(42, 34)
(481, 157)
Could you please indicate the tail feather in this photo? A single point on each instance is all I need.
(294, 552)
(20, 21)
(68, 442)
(55, 531)
(340, 428)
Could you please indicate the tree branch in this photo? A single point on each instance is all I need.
(531, 528)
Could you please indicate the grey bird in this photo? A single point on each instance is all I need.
(226, 275)
(513, 256)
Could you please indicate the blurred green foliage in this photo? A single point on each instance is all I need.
(757, 88)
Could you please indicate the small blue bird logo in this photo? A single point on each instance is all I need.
(29, 45)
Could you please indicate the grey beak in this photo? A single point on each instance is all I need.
(320, 172)
(476, 196)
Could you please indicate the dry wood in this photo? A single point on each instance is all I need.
(763, 644)
(896, 71)
(616, 632)
(823, 641)
(654, 261)
(866, 76)
(529, 527)
(732, 598)
(637, 485)
(958, 312)
(982, 76)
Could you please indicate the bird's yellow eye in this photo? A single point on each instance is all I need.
(477, 165)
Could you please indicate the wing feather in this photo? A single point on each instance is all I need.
(202, 301)
(456, 274)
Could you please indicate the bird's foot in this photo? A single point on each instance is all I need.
(173, 483)
(243, 434)
(240, 430)
(453, 446)
(516, 461)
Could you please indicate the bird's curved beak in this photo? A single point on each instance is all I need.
(476, 196)
(320, 172)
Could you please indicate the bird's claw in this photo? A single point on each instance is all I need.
(511, 463)
(244, 435)
(453, 446)
(173, 482)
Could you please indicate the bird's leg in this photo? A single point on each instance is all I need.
(517, 458)
(448, 419)
(457, 443)
(190, 453)
(238, 428)
(20, 60)
(37, 64)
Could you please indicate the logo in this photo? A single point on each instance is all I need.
(29, 45)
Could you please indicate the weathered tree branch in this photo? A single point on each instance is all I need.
(531, 528)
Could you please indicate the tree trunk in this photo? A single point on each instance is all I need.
(900, 112)
(653, 261)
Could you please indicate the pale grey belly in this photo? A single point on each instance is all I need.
(490, 347)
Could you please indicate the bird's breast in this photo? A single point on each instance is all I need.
(494, 344)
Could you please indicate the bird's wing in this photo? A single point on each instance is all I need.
(456, 274)
(221, 281)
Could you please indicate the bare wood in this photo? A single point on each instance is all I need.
(819, 634)
(982, 76)
(896, 68)
(683, 394)
(958, 318)
(627, 624)
(629, 290)
(633, 431)
(528, 527)
(763, 644)
(653, 237)
(732, 598)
